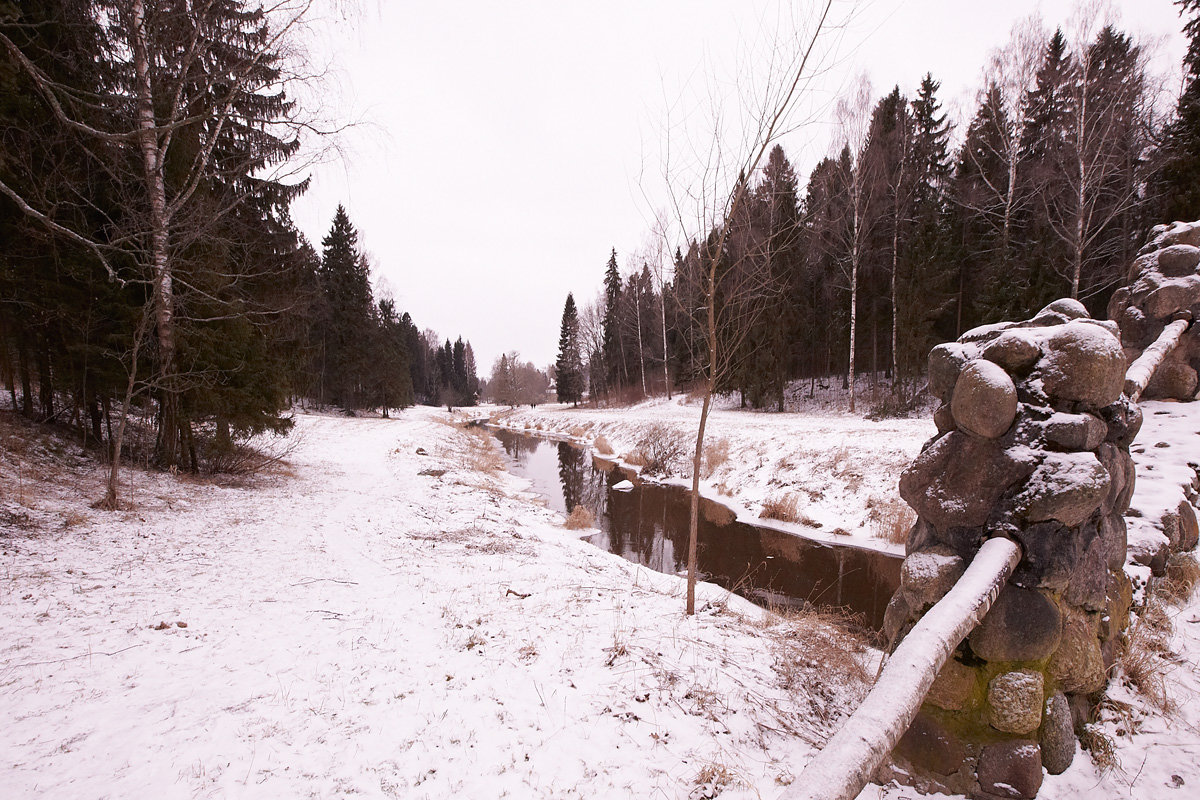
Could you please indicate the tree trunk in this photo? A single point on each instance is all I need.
(163, 288)
(666, 360)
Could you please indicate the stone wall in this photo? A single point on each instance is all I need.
(1164, 285)
(1033, 444)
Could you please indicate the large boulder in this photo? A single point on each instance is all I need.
(985, 400)
(1083, 363)
(1022, 625)
(958, 479)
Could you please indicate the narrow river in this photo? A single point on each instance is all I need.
(648, 526)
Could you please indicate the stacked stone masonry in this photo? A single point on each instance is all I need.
(1164, 285)
(1033, 444)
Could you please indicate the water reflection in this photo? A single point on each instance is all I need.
(649, 526)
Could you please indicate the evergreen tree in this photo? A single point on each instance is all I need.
(614, 371)
(348, 325)
(1181, 145)
(568, 367)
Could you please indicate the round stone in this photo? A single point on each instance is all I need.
(1015, 701)
(928, 575)
(1011, 769)
(953, 687)
(1066, 487)
(1178, 260)
(1174, 295)
(1071, 309)
(985, 400)
(1078, 664)
(1083, 363)
(945, 362)
(1173, 380)
(1014, 350)
(1022, 625)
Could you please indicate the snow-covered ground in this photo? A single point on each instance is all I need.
(838, 471)
(354, 626)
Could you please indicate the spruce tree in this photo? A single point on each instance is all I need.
(612, 351)
(348, 326)
(568, 367)
(1181, 174)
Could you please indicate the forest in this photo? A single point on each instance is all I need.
(150, 272)
(909, 233)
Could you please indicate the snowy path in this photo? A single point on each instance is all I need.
(350, 630)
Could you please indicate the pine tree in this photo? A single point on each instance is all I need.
(1181, 173)
(612, 351)
(568, 367)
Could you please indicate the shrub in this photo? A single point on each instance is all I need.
(660, 450)
(580, 519)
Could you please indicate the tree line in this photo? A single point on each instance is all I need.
(149, 265)
(909, 233)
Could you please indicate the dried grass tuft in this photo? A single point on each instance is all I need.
(1146, 662)
(602, 446)
(581, 519)
(1183, 573)
(715, 454)
(891, 519)
(635, 458)
(712, 780)
(784, 507)
(1100, 747)
(578, 432)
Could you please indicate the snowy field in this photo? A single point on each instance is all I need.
(351, 626)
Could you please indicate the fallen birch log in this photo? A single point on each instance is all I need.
(850, 758)
(1138, 376)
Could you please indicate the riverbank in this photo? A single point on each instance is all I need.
(829, 477)
(388, 615)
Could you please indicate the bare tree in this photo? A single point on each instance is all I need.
(718, 201)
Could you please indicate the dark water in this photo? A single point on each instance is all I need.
(649, 526)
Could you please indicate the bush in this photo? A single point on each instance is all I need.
(580, 519)
(659, 451)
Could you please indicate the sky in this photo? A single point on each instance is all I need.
(501, 151)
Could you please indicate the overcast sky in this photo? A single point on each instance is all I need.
(508, 147)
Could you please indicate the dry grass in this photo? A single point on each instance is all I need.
(1148, 661)
(578, 432)
(635, 458)
(1183, 573)
(580, 519)
(74, 519)
(784, 507)
(481, 451)
(891, 519)
(602, 446)
(715, 454)
(1100, 747)
(712, 780)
